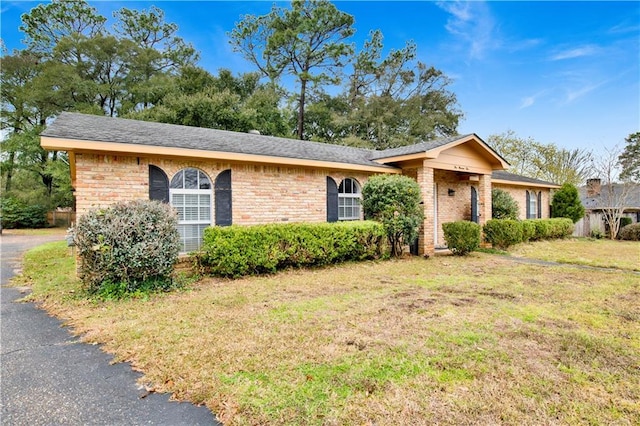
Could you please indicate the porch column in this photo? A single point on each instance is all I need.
(425, 238)
(484, 199)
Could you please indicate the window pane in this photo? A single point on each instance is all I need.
(177, 181)
(191, 179)
(204, 183)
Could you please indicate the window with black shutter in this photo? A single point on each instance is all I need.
(224, 212)
(539, 204)
(332, 200)
(158, 184)
(474, 205)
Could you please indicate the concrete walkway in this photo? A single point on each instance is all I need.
(50, 378)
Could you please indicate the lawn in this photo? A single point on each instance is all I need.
(584, 251)
(448, 340)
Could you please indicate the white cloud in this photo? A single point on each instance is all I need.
(516, 46)
(472, 23)
(576, 52)
(624, 28)
(528, 101)
(572, 95)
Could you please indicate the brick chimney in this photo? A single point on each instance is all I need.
(593, 187)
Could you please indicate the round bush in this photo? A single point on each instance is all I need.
(503, 206)
(503, 233)
(566, 203)
(127, 247)
(462, 237)
(630, 232)
(394, 201)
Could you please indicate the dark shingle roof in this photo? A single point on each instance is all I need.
(621, 194)
(416, 148)
(502, 175)
(107, 129)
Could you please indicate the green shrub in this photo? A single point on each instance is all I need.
(394, 201)
(17, 214)
(566, 203)
(630, 232)
(503, 206)
(127, 248)
(528, 230)
(542, 229)
(624, 221)
(547, 229)
(502, 233)
(596, 233)
(560, 228)
(235, 251)
(462, 237)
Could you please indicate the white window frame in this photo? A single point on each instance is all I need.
(197, 222)
(533, 205)
(353, 199)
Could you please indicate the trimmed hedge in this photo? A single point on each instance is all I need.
(630, 232)
(127, 247)
(528, 230)
(503, 233)
(462, 237)
(235, 251)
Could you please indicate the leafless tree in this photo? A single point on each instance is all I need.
(614, 195)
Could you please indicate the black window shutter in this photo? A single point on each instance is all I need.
(223, 199)
(474, 205)
(158, 184)
(539, 204)
(332, 200)
(528, 202)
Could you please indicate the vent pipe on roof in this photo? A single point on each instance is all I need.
(254, 132)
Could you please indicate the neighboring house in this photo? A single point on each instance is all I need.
(216, 177)
(596, 198)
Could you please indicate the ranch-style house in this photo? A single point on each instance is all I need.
(217, 177)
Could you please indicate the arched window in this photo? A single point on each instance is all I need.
(190, 194)
(349, 200)
(533, 207)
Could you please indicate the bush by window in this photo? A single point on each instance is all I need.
(503, 206)
(394, 201)
(127, 246)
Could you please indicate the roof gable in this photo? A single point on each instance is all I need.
(434, 149)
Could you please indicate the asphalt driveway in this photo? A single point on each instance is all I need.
(49, 378)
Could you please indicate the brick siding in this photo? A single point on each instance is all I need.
(261, 193)
(519, 193)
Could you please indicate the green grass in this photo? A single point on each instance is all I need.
(448, 340)
(50, 270)
(584, 251)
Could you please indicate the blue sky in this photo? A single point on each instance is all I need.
(559, 72)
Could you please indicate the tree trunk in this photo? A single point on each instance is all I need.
(10, 161)
(303, 89)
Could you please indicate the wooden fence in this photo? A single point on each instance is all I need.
(60, 218)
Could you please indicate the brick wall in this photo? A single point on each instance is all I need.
(106, 179)
(519, 194)
(261, 193)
